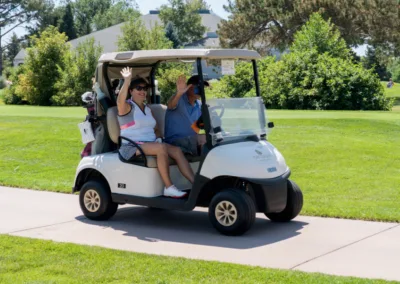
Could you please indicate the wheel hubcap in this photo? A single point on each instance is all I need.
(226, 213)
(92, 200)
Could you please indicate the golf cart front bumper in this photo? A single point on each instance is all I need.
(271, 194)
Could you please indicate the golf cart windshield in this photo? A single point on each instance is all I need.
(237, 117)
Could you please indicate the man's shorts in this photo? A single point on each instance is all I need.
(187, 144)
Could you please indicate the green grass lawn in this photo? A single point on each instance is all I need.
(393, 92)
(345, 162)
(26, 260)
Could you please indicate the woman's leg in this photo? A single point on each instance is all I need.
(159, 150)
(183, 164)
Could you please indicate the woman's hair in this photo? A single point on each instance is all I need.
(136, 82)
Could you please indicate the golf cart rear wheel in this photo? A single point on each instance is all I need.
(232, 212)
(293, 206)
(96, 202)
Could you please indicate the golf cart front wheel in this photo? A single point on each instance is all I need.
(96, 202)
(232, 212)
(293, 207)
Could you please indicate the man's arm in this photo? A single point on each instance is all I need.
(157, 131)
(181, 88)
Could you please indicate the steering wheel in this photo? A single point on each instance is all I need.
(212, 109)
(213, 115)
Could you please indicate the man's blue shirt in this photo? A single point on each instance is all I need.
(178, 121)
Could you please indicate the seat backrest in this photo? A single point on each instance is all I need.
(113, 124)
(159, 111)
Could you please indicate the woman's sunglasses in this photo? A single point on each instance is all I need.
(141, 88)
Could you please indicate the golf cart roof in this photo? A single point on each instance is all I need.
(153, 56)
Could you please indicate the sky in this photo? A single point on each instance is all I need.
(145, 6)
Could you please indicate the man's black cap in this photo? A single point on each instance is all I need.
(194, 80)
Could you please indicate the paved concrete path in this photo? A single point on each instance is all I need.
(331, 246)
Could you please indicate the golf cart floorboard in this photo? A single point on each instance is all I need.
(159, 201)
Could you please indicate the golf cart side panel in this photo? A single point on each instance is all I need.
(257, 160)
(130, 179)
(123, 178)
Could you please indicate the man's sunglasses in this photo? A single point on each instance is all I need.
(141, 88)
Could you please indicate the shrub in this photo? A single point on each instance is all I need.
(308, 80)
(10, 95)
(42, 67)
(75, 79)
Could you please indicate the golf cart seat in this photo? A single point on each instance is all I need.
(149, 161)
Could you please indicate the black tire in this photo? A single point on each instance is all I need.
(293, 206)
(245, 208)
(106, 209)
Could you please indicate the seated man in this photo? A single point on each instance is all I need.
(183, 109)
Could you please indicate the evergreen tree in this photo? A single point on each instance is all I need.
(170, 33)
(67, 25)
(373, 60)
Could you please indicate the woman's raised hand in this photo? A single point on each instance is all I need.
(126, 73)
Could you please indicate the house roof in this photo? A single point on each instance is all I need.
(108, 38)
(20, 55)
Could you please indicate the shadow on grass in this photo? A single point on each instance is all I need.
(193, 227)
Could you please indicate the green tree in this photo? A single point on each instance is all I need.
(321, 36)
(375, 60)
(198, 5)
(273, 23)
(85, 11)
(48, 15)
(75, 78)
(67, 24)
(119, 12)
(13, 14)
(42, 67)
(185, 18)
(170, 33)
(135, 36)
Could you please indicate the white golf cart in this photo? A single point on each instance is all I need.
(238, 174)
